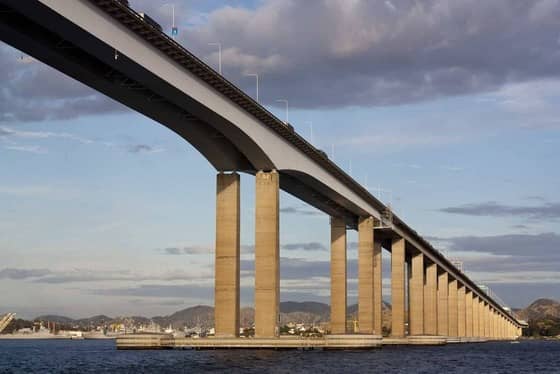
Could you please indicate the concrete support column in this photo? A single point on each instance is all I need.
(442, 305)
(461, 309)
(481, 321)
(338, 276)
(226, 263)
(416, 307)
(469, 314)
(267, 255)
(365, 275)
(490, 322)
(452, 316)
(377, 289)
(486, 320)
(430, 300)
(397, 287)
(475, 315)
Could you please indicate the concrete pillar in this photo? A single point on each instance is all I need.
(442, 305)
(267, 255)
(461, 330)
(338, 276)
(475, 315)
(430, 300)
(397, 287)
(377, 289)
(416, 307)
(226, 286)
(452, 316)
(481, 320)
(486, 320)
(469, 314)
(365, 275)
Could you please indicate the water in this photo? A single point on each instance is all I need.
(91, 356)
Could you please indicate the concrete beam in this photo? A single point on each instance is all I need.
(267, 254)
(338, 276)
(226, 288)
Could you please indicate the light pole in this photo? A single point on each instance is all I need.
(257, 80)
(174, 29)
(287, 109)
(219, 56)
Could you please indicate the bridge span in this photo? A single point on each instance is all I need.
(108, 46)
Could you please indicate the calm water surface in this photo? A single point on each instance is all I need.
(91, 356)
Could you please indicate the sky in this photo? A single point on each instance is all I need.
(447, 110)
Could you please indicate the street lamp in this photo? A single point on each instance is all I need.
(257, 80)
(219, 56)
(174, 29)
(287, 109)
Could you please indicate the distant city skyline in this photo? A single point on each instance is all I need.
(447, 114)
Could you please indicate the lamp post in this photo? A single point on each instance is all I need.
(174, 29)
(287, 109)
(219, 56)
(257, 80)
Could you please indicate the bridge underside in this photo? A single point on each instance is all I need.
(125, 81)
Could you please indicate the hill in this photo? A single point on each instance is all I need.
(541, 308)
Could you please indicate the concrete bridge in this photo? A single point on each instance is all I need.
(108, 46)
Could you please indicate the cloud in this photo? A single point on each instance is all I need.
(382, 52)
(300, 211)
(306, 246)
(508, 253)
(493, 209)
(33, 91)
(143, 148)
(85, 275)
(27, 148)
(188, 250)
(22, 274)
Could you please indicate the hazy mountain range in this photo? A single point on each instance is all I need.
(290, 311)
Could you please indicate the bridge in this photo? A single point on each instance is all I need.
(110, 47)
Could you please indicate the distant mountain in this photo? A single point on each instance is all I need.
(55, 318)
(541, 308)
(95, 320)
(201, 315)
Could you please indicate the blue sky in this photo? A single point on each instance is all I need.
(106, 211)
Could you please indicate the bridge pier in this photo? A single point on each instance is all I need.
(416, 294)
(338, 276)
(365, 275)
(461, 310)
(267, 254)
(398, 288)
(442, 307)
(453, 314)
(377, 288)
(468, 314)
(226, 288)
(430, 300)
